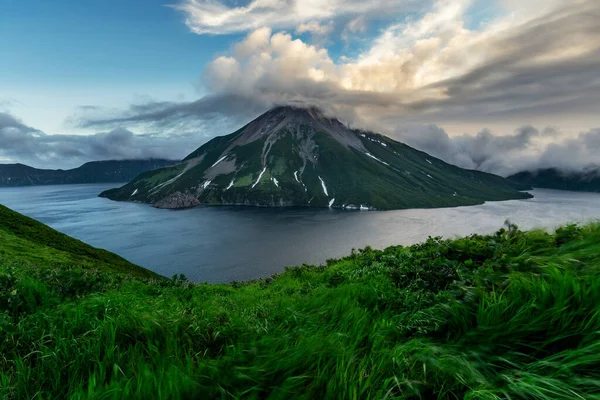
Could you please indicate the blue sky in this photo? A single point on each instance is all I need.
(65, 51)
(179, 72)
(75, 42)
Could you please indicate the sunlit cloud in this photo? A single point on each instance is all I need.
(524, 63)
(221, 17)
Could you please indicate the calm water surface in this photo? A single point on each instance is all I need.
(220, 244)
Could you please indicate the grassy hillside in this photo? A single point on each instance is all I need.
(25, 239)
(512, 315)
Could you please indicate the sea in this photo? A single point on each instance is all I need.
(228, 243)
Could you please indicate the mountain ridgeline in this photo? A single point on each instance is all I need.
(299, 157)
(587, 180)
(91, 172)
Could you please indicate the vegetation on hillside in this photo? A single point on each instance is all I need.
(25, 239)
(298, 157)
(91, 172)
(512, 315)
(587, 180)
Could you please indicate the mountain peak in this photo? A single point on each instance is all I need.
(301, 115)
(298, 121)
(308, 111)
(297, 156)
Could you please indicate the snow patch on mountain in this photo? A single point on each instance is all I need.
(218, 161)
(324, 187)
(375, 158)
(259, 176)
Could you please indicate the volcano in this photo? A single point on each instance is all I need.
(293, 156)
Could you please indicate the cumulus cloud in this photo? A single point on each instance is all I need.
(22, 143)
(527, 63)
(526, 149)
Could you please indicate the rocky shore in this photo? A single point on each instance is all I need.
(177, 200)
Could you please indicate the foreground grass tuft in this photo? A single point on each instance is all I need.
(512, 315)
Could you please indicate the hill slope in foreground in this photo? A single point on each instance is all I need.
(299, 157)
(23, 238)
(511, 315)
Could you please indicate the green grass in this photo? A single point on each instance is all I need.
(164, 174)
(245, 180)
(23, 238)
(512, 315)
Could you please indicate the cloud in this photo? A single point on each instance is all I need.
(432, 68)
(575, 154)
(527, 63)
(218, 17)
(22, 143)
(484, 151)
(225, 110)
(7, 103)
(315, 29)
(353, 27)
(9, 124)
(526, 149)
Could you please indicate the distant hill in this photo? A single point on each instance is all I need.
(91, 172)
(300, 157)
(552, 178)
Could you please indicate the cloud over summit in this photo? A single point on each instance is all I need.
(432, 69)
(526, 65)
(523, 64)
(432, 66)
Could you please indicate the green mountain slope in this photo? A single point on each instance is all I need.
(24, 238)
(298, 157)
(552, 178)
(92, 172)
(512, 315)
